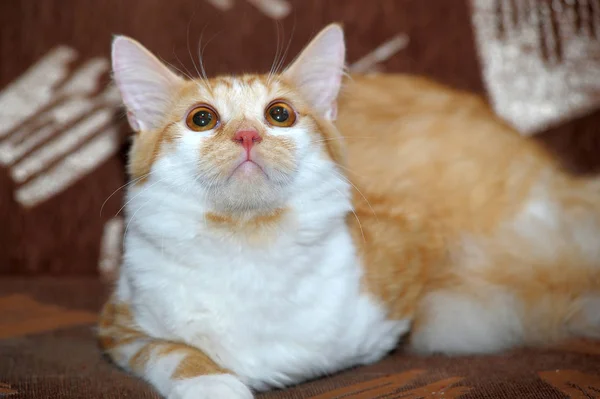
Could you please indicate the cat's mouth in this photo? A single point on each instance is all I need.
(248, 168)
(258, 181)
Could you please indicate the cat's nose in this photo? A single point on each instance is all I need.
(247, 138)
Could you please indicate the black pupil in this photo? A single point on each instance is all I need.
(279, 114)
(202, 118)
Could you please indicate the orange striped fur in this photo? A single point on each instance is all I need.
(117, 330)
(458, 176)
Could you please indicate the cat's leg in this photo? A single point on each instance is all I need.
(176, 370)
(488, 318)
(459, 322)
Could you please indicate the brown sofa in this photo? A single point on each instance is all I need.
(48, 350)
(63, 140)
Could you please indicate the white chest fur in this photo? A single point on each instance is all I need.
(274, 314)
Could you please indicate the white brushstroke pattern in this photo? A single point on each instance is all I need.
(381, 53)
(110, 249)
(276, 9)
(58, 118)
(86, 79)
(15, 147)
(21, 105)
(60, 146)
(70, 169)
(530, 90)
(222, 5)
(22, 99)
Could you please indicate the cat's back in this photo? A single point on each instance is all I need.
(414, 143)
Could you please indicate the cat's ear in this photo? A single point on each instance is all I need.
(317, 72)
(147, 86)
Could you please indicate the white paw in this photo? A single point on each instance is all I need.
(219, 386)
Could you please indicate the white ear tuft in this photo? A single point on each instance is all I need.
(318, 70)
(145, 83)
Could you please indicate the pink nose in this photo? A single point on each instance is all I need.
(247, 138)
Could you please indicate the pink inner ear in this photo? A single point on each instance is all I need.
(145, 83)
(133, 122)
(318, 70)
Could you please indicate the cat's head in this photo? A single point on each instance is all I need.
(249, 142)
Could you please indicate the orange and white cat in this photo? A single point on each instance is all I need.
(277, 232)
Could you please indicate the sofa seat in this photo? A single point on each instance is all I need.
(48, 350)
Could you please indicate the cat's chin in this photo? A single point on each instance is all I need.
(248, 189)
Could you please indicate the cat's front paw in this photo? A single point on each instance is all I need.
(217, 386)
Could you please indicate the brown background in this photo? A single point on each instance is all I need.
(47, 340)
(62, 235)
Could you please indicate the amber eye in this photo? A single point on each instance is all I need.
(202, 118)
(280, 114)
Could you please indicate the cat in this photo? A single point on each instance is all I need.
(281, 227)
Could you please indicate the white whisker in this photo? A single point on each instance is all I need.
(201, 49)
(349, 170)
(272, 69)
(341, 138)
(340, 176)
(187, 37)
(123, 186)
(138, 194)
(356, 216)
(185, 73)
(133, 216)
(282, 60)
(344, 179)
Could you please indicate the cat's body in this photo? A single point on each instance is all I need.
(422, 215)
(507, 243)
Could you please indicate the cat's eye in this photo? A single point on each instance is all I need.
(280, 114)
(202, 118)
